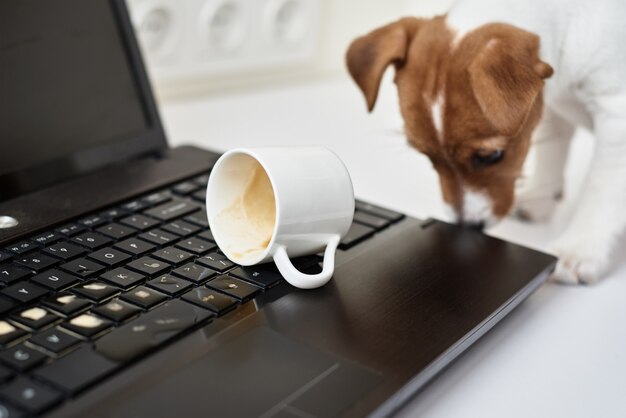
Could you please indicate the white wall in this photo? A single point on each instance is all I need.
(185, 66)
(347, 19)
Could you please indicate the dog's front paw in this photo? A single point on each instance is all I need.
(536, 204)
(578, 263)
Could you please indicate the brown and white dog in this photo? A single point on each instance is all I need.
(477, 84)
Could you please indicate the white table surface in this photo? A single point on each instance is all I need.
(562, 353)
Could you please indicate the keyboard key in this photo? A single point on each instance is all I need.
(181, 228)
(95, 290)
(234, 287)
(135, 246)
(123, 278)
(87, 325)
(83, 268)
(116, 231)
(70, 230)
(35, 318)
(8, 411)
(172, 210)
(9, 333)
(29, 395)
(194, 272)
(109, 257)
(112, 214)
(149, 266)
(66, 304)
(5, 374)
(55, 279)
(117, 310)
(92, 221)
(77, 370)
(378, 211)
(6, 256)
(6, 305)
(150, 330)
(265, 278)
(24, 292)
(64, 250)
(172, 255)
(21, 358)
(207, 236)
(210, 299)
(371, 220)
(22, 247)
(170, 285)
(356, 234)
(158, 237)
(144, 297)
(134, 206)
(92, 240)
(195, 245)
(47, 238)
(185, 188)
(216, 261)
(36, 261)
(200, 195)
(303, 263)
(199, 218)
(11, 274)
(201, 180)
(157, 198)
(139, 222)
(54, 340)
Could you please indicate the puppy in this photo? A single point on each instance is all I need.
(477, 84)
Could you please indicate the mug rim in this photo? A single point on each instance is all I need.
(250, 153)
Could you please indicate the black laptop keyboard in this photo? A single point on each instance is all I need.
(80, 302)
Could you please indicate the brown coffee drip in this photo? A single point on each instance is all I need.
(247, 225)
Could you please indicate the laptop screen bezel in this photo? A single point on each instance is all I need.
(150, 141)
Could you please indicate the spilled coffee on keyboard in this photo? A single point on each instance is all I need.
(247, 225)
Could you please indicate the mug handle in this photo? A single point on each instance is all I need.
(302, 280)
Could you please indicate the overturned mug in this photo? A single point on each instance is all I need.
(280, 202)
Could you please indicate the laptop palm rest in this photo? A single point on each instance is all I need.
(259, 374)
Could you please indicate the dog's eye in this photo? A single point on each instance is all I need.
(487, 158)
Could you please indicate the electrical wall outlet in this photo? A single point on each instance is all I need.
(195, 45)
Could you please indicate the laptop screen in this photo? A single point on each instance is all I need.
(70, 100)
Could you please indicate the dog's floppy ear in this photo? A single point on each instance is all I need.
(369, 56)
(507, 77)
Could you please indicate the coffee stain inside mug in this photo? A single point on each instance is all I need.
(248, 223)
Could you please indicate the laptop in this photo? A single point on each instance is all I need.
(115, 300)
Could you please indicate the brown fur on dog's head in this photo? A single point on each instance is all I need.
(469, 104)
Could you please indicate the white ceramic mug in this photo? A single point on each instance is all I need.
(280, 202)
